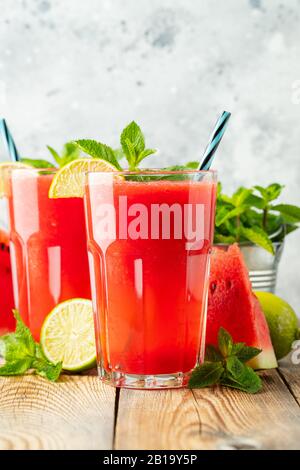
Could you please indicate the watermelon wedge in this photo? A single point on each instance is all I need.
(233, 306)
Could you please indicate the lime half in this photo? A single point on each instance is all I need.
(282, 321)
(68, 336)
(69, 181)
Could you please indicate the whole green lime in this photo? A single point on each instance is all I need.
(282, 320)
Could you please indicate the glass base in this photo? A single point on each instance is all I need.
(150, 382)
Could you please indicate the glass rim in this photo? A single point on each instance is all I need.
(154, 171)
(141, 171)
(34, 169)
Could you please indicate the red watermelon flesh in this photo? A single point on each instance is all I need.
(233, 306)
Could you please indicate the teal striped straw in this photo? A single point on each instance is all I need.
(9, 141)
(214, 141)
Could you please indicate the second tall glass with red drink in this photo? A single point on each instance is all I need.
(48, 246)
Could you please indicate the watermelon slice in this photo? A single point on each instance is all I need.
(232, 305)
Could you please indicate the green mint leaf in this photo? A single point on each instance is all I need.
(222, 216)
(224, 239)
(98, 150)
(288, 211)
(206, 375)
(212, 354)
(37, 163)
(194, 166)
(255, 201)
(21, 353)
(17, 367)
(225, 342)
(252, 386)
(23, 334)
(245, 379)
(234, 366)
(48, 370)
(273, 191)
(54, 154)
(133, 133)
(231, 227)
(240, 196)
(226, 199)
(14, 348)
(133, 145)
(263, 192)
(236, 348)
(70, 152)
(252, 217)
(258, 236)
(19, 345)
(247, 352)
(145, 153)
(39, 353)
(44, 368)
(130, 153)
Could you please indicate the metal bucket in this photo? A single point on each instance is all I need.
(262, 265)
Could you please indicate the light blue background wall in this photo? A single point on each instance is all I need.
(85, 68)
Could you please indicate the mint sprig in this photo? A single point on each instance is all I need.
(133, 148)
(133, 145)
(250, 214)
(69, 153)
(22, 353)
(225, 365)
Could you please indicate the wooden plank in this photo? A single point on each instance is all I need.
(291, 375)
(75, 413)
(215, 418)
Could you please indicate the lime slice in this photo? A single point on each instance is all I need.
(68, 336)
(6, 166)
(69, 181)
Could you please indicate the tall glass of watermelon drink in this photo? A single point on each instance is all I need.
(7, 321)
(48, 246)
(149, 240)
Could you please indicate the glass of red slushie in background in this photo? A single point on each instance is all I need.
(7, 320)
(149, 240)
(48, 246)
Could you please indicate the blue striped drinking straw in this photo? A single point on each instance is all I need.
(9, 141)
(214, 141)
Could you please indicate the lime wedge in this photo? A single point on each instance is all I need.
(69, 180)
(4, 167)
(68, 336)
(282, 321)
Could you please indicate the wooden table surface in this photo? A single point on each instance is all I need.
(80, 412)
